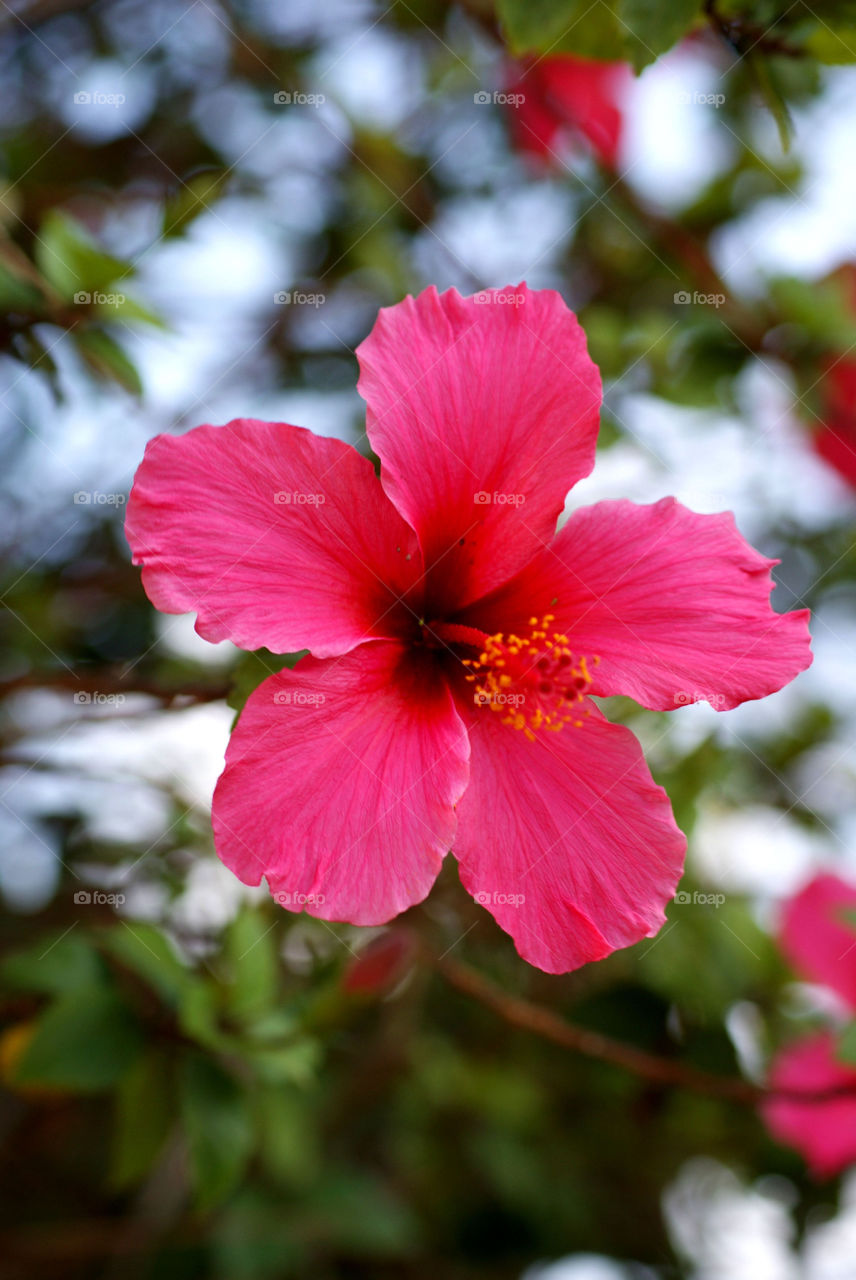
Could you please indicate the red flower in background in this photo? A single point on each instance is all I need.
(569, 96)
(820, 942)
(835, 439)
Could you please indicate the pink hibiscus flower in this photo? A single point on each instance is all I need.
(820, 942)
(456, 638)
(572, 96)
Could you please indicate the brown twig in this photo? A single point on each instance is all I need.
(742, 36)
(543, 1022)
(649, 1066)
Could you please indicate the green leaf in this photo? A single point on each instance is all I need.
(72, 262)
(562, 26)
(362, 1214)
(251, 955)
(146, 952)
(296, 1063)
(84, 1042)
(821, 308)
(288, 1135)
(144, 1110)
(636, 30)
(129, 311)
(54, 965)
(847, 1044)
(199, 1015)
(18, 291)
(106, 358)
(653, 26)
(194, 198)
(218, 1123)
(772, 95)
(831, 44)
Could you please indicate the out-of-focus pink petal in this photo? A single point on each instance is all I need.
(824, 1131)
(567, 93)
(835, 439)
(484, 412)
(273, 536)
(340, 784)
(835, 442)
(818, 938)
(675, 604)
(566, 840)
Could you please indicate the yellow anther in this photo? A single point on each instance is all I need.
(536, 681)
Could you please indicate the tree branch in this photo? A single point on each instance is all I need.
(742, 36)
(649, 1066)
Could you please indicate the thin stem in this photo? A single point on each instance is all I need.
(649, 1066)
(742, 36)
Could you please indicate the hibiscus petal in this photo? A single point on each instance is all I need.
(566, 840)
(340, 784)
(675, 604)
(824, 1131)
(818, 938)
(273, 536)
(484, 412)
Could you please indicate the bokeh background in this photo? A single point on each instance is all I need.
(202, 207)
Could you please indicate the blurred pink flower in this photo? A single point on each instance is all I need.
(818, 936)
(455, 635)
(835, 437)
(564, 95)
(824, 1131)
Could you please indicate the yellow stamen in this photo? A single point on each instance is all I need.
(536, 681)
